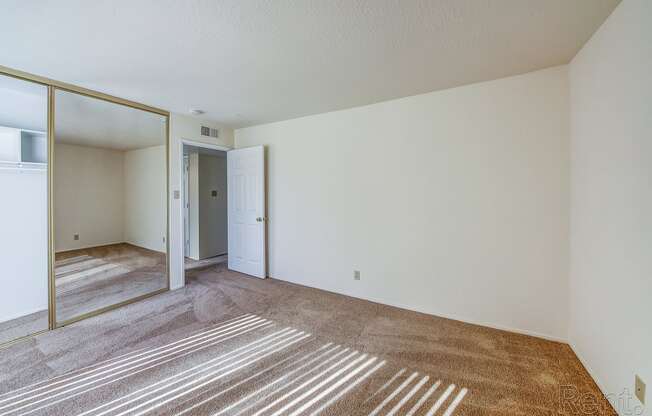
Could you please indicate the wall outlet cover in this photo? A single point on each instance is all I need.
(75, 237)
(639, 389)
(356, 275)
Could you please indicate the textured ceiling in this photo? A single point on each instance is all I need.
(253, 61)
(23, 105)
(79, 119)
(91, 122)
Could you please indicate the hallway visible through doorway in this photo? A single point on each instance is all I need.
(205, 207)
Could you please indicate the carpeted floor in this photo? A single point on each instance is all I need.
(192, 264)
(228, 344)
(23, 326)
(93, 278)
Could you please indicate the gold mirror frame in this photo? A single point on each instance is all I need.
(52, 86)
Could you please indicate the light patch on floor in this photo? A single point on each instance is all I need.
(546, 378)
(247, 365)
(158, 354)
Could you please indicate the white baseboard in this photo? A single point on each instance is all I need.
(111, 244)
(535, 334)
(146, 247)
(587, 367)
(88, 246)
(474, 322)
(23, 314)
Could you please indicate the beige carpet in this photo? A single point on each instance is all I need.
(93, 278)
(192, 264)
(228, 344)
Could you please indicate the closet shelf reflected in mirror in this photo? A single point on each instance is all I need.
(23, 150)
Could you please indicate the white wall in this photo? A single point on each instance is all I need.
(89, 196)
(109, 196)
(23, 243)
(453, 203)
(185, 128)
(207, 215)
(611, 261)
(145, 195)
(213, 224)
(9, 144)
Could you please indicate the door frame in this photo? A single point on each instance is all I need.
(186, 203)
(182, 188)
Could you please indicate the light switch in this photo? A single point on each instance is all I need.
(176, 194)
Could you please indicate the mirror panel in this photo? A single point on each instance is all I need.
(23, 208)
(110, 204)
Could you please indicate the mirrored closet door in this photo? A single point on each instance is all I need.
(110, 210)
(23, 208)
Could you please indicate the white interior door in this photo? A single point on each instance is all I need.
(246, 200)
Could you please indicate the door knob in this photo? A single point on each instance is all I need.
(259, 219)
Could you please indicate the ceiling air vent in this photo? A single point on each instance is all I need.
(209, 132)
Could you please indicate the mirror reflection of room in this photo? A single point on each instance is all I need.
(23, 210)
(110, 210)
(205, 214)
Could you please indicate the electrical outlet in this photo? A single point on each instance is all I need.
(356, 275)
(75, 237)
(639, 389)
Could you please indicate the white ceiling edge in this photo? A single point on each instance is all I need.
(91, 122)
(255, 62)
(402, 98)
